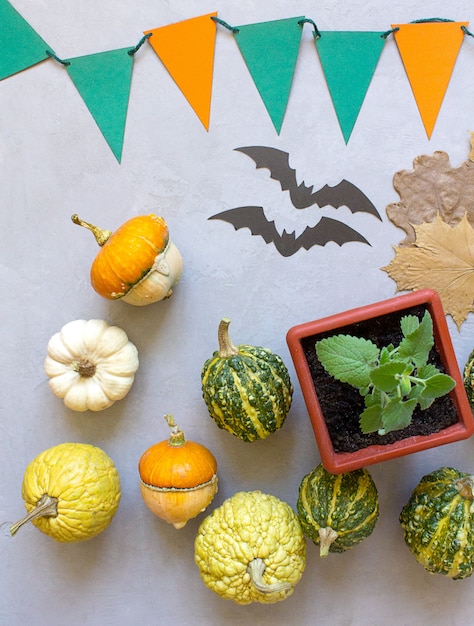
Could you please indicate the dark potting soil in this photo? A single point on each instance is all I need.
(341, 404)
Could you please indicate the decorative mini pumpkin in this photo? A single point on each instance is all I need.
(247, 389)
(251, 549)
(468, 375)
(71, 492)
(337, 511)
(178, 478)
(90, 364)
(138, 263)
(437, 523)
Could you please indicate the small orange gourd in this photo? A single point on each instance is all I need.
(137, 263)
(178, 478)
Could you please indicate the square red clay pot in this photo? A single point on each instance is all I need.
(300, 338)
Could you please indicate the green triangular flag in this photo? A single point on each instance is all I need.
(20, 45)
(349, 59)
(270, 51)
(103, 80)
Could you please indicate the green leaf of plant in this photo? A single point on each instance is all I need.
(397, 414)
(408, 324)
(348, 359)
(425, 403)
(385, 377)
(385, 354)
(426, 371)
(417, 345)
(437, 386)
(371, 419)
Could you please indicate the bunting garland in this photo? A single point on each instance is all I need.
(20, 45)
(270, 50)
(429, 73)
(103, 80)
(428, 49)
(348, 60)
(186, 49)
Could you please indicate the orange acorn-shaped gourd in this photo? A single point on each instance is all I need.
(178, 478)
(138, 263)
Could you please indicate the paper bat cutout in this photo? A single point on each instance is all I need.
(326, 230)
(302, 197)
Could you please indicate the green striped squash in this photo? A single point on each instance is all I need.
(468, 375)
(337, 511)
(247, 389)
(438, 523)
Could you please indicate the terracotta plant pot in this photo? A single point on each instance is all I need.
(327, 399)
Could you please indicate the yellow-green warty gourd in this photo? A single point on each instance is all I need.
(337, 511)
(247, 389)
(438, 524)
(251, 549)
(71, 492)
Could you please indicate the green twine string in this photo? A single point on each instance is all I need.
(224, 24)
(431, 19)
(307, 20)
(139, 44)
(131, 52)
(56, 58)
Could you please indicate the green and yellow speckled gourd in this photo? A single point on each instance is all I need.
(437, 523)
(247, 389)
(469, 378)
(337, 511)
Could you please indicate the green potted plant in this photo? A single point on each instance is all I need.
(397, 389)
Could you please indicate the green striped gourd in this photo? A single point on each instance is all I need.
(337, 511)
(247, 389)
(438, 524)
(469, 378)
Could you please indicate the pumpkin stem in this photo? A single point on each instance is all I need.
(84, 368)
(101, 235)
(327, 536)
(177, 435)
(256, 568)
(46, 506)
(226, 347)
(465, 486)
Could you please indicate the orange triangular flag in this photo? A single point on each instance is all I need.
(429, 51)
(186, 49)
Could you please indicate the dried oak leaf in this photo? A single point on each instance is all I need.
(433, 187)
(441, 258)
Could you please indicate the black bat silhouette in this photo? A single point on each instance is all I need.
(302, 197)
(326, 230)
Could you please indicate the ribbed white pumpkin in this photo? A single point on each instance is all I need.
(90, 364)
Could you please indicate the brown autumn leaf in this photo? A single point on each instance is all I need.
(441, 258)
(433, 187)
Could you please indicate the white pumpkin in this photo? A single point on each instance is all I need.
(90, 364)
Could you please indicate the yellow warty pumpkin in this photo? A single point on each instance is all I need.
(71, 492)
(138, 263)
(251, 549)
(90, 364)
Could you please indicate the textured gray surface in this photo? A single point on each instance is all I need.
(54, 162)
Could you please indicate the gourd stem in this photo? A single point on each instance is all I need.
(256, 568)
(84, 368)
(101, 236)
(327, 536)
(47, 506)
(177, 436)
(226, 347)
(465, 486)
